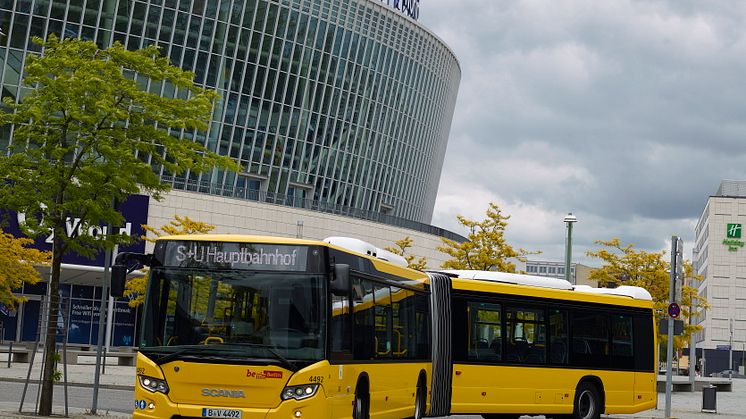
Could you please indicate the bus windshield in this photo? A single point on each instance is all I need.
(235, 314)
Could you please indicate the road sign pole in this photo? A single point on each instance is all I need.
(675, 249)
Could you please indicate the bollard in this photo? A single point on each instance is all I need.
(10, 352)
(709, 399)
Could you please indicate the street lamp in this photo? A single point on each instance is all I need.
(569, 220)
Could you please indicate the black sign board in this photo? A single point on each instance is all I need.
(238, 256)
(678, 327)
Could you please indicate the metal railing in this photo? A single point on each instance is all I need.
(309, 204)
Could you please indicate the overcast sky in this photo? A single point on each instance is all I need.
(627, 113)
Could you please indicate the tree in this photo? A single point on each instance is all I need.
(486, 248)
(401, 250)
(17, 263)
(624, 264)
(87, 135)
(179, 225)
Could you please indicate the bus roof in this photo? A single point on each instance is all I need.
(547, 287)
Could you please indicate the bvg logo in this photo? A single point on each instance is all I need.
(734, 231)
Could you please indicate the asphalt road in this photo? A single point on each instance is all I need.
(81, 397)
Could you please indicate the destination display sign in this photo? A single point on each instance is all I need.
(233, 255)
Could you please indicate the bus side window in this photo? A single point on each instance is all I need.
(558, 336)
(340, 333)
(622, 342)
(485, 332)
(526, 335)
(363, 312)
(383, 332)
(422, 325)
(590, 339)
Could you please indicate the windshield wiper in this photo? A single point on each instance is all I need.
(288, 364)
(172, 355)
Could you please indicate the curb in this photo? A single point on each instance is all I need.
(72, 384)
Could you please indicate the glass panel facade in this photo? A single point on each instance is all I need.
(348, 98)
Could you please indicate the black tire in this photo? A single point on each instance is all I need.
(587, 402)
(361, 407)
(420, 400)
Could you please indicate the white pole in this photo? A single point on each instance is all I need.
(110, 310)
(671, 299)
(109, 322)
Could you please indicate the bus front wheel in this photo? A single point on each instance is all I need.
(361, 408)
(587, 402)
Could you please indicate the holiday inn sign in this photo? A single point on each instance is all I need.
(733, 234)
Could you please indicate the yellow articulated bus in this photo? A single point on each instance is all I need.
(265, 327)
(534, 345)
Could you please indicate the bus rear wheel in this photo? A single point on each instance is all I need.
(587, 402)
(361, 408)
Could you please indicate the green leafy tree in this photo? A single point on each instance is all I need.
(89, 134)
(17, 262)
(179, 225)
(623, 264)
(486, 248)
(401, 249)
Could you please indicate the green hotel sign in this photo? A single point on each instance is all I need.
(732, 234)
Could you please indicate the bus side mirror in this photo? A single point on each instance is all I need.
(118, 278)
(340, 285)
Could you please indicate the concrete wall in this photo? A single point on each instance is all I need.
(237, 216)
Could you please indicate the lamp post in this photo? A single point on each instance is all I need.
(569, 220)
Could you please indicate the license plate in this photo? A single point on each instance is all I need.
(221, 413)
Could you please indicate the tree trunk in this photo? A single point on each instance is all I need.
(50, 341)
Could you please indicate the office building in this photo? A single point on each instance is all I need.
(718, 256)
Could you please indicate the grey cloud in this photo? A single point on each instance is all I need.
(630, 112)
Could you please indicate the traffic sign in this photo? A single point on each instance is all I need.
(674, 310)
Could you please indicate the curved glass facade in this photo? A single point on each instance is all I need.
(343, 104)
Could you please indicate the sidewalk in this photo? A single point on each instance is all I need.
(81, 375)
(688, 405)
(9, 410)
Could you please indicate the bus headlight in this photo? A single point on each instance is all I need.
(299, 392)
(153, 384)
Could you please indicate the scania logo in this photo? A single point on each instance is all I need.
(219, 392)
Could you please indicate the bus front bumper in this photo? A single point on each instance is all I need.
(311, 408)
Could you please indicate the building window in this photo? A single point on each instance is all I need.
(531, 269)
(552, 270)
(387, 208)
(249, 187)
(542, 269)
(297, 195)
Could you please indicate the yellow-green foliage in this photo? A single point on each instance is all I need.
(486, 248)
(17, 263)
(401, 249)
